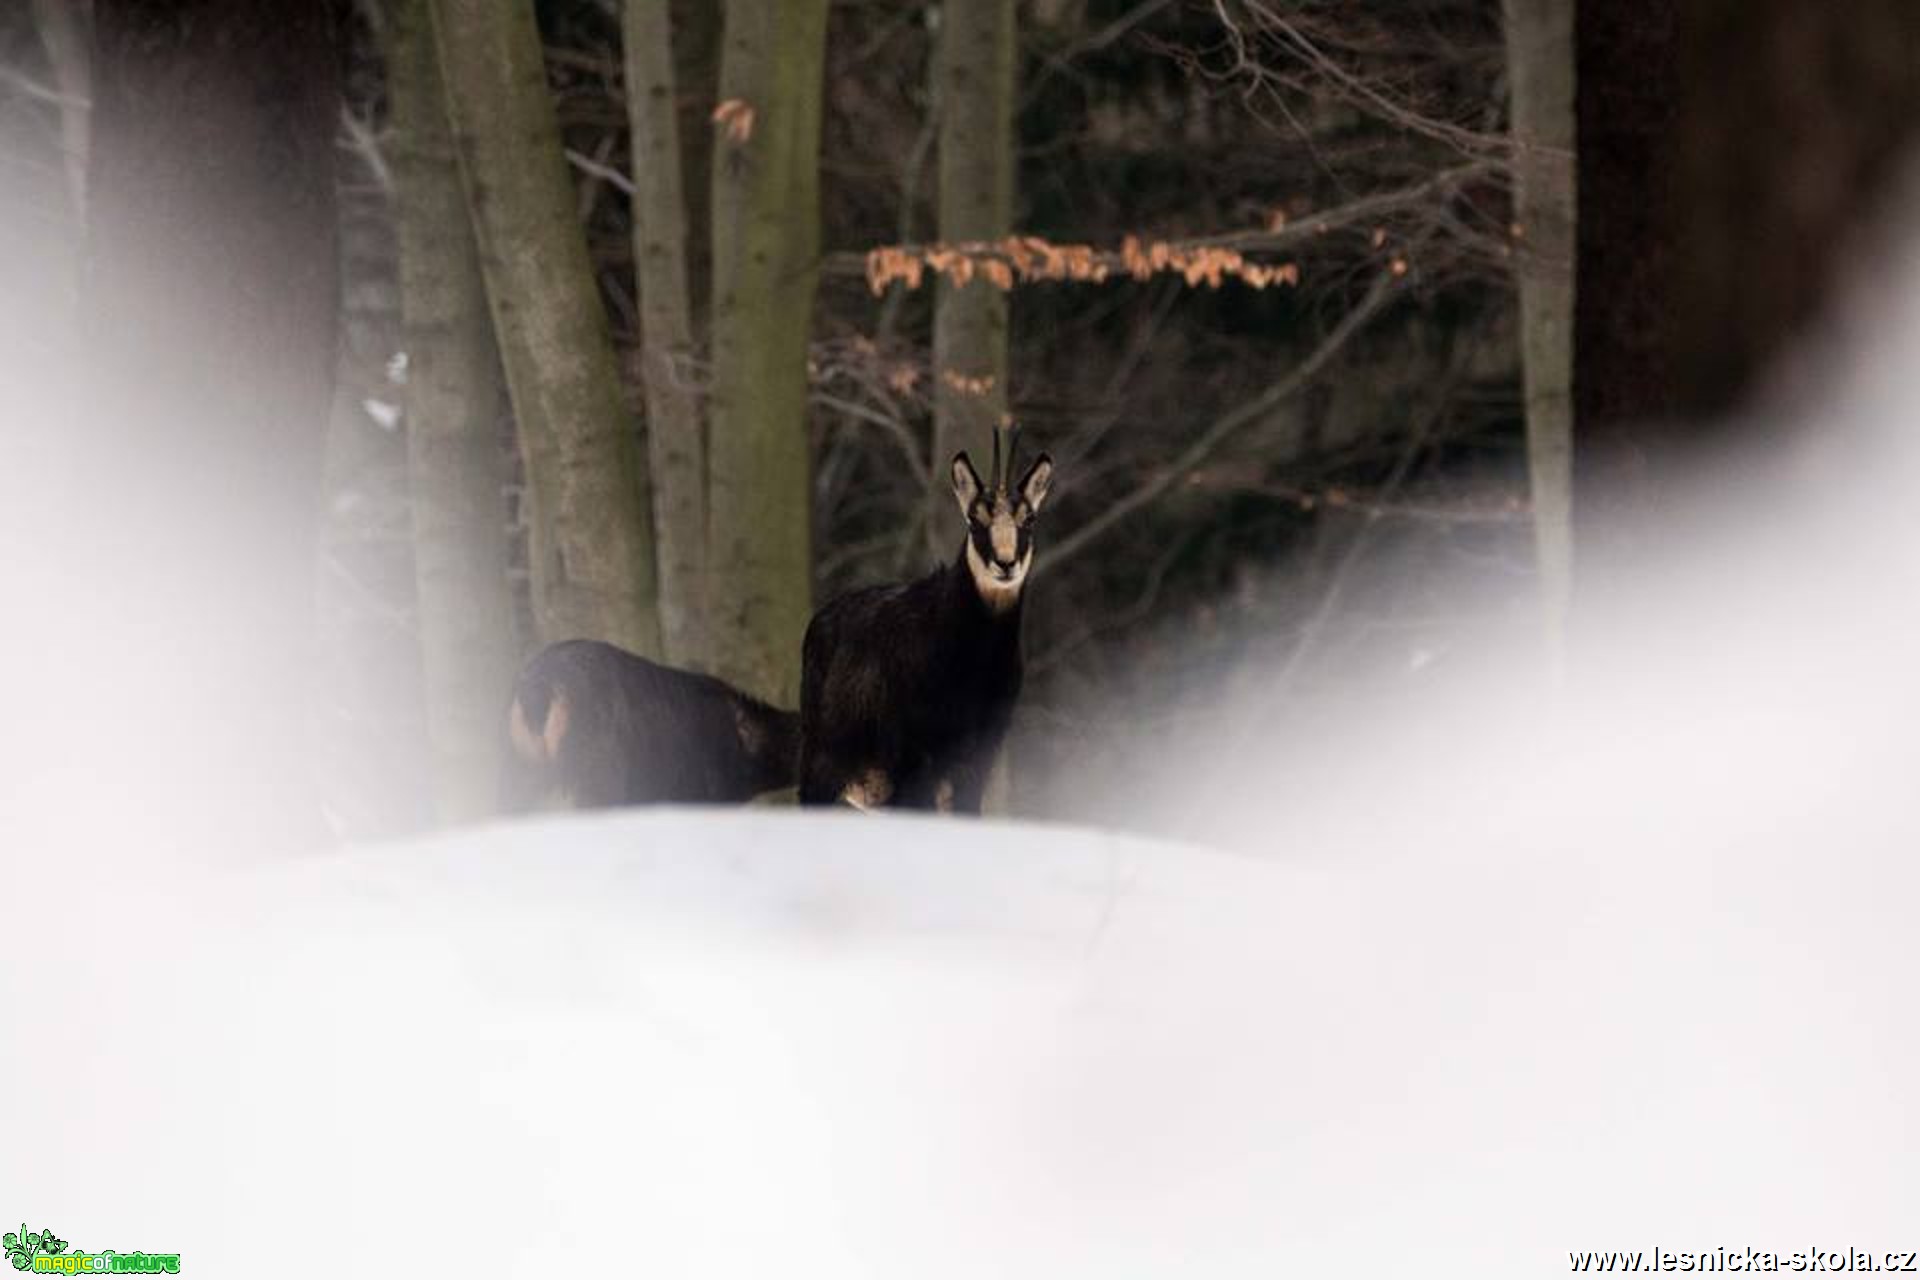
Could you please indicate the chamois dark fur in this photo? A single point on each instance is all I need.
(906, 691)
(591, 725)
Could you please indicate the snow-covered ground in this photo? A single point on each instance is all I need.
(767, 1043)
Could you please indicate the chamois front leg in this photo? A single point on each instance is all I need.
(816, 788)
(827, 779)
(957, 783)
(841, 773)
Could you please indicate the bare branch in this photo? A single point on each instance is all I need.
(895, 429)
(1316, 624)
(362, 141)
(1294, 43)
(16, 79)
(1223, 428)
(1292, 236)
(601, 170)
(1512, 510)
(1094, 43)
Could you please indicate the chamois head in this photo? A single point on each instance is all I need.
(1000, 522)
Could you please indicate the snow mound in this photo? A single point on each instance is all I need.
(763, 1043)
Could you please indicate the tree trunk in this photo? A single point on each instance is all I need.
(973, 93)
(43, 197)
(592, 548)
(1627, 103)
(453, 380)
(973, 74)
(41, 239)
(63, 30)
(1540, 69)
(1834, 90)
(766, 240)
(675, 434)
(208, 308)
(696, 62)
(1701, 266)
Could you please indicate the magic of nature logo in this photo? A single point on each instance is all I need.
(46, 1254)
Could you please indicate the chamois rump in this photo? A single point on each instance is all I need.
(591, 725)
(906, 691)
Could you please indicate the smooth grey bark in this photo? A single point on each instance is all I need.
(458, 508)
(675, 431)
(696, 63)
(973, 93)
(1540, 61)
(766, 242)
(592, 540)
(973, 74)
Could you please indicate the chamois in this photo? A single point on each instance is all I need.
(591, 725)
(906, 691)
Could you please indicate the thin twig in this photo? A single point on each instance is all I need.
(1513, 511)
(32, 88)
(1223, 428)
(1094, 43)
(601, 170)
(1350, 556)
(1353, 88)
(598, 171)
(1145, 604)
(1089, 438)
(894, 428)
(362, 141)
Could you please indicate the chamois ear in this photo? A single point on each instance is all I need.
(966, 482)
(1033, 485)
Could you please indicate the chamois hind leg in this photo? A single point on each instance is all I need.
(962, 789)
(821, 773)
(962, 792)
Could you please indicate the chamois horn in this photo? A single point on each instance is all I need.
(1003, 460)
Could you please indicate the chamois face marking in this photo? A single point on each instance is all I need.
(943, 796)
(871, 790)
(1000, 528)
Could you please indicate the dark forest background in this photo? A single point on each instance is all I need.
(360, 348)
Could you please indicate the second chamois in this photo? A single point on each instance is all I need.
(591, 725)
(906, 691)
